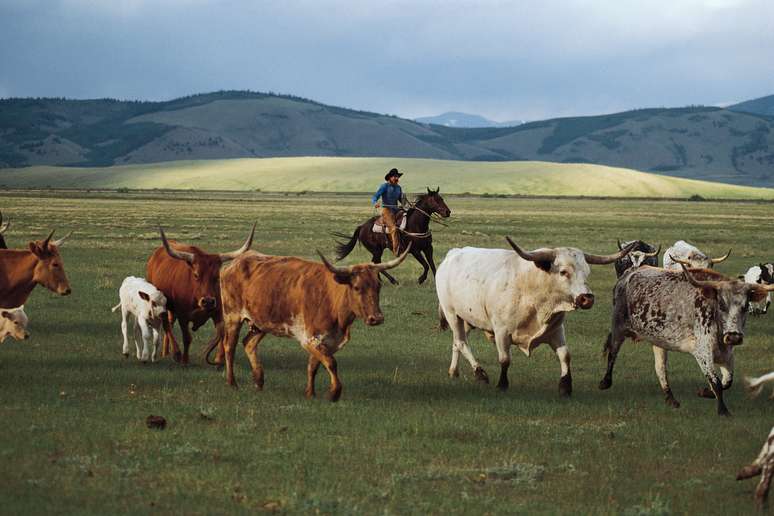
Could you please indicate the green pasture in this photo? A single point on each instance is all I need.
(405, 438)
(325, 174)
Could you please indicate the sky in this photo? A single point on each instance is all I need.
(505, 60)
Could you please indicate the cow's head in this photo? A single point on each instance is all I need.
(698, 260)
(767, 273)
(732, 303)
(363, 286)
(434, 203)
(569, 267)
(3, 228)
(205, 268)
(639, 254)
(155, 304)
(13, 323)
(49, 271)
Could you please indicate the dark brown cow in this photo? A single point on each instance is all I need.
(22, 269)
(189, 278)
(316, 303)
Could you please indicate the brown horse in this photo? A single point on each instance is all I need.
(417, 231)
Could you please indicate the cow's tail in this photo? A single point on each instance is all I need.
(754, 386)
(214, 342)
(344, 248)
(442, 319)
(115, 307)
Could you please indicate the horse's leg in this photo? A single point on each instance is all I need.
(421, 259)
(376, 248)
(428, 252)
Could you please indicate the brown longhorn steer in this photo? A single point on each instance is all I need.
(22, 269)
(189, 279)
(316, 303)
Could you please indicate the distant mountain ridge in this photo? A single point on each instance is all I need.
(698, 142)
(760, 106)
(457, 119)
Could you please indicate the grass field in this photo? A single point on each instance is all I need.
(318, 174)
(404, 439)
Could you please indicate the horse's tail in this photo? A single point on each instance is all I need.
(344, 248)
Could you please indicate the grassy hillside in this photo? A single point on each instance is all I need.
(365, 174)
(761, 106)
(705, 143)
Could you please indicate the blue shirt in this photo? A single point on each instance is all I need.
(390, 194)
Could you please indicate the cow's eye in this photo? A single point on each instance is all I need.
(565, 273)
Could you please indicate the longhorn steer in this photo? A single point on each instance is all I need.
(189, 279)
(22, 269)
(315, 303)
(641, 254)
(697, 311)
(682, 251)
(517, 298)
(760, 274)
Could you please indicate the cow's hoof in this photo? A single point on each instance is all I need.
(333, 396)
(672, 402)
(724, 412)
(309, 394)
(605, 384)
(454, 373)
(481, 375)
(178, 357)
(126, 355)
(565, 385)
(705, 392)
(233, 385)
(502, 385)
(421, 280)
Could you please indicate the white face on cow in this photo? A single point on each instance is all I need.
(571, 272)
(13, 323)
(155, 304)
(637, 258)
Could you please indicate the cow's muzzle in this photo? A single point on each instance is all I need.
(208, 303)
(374, 320)
(733, 338)
(64, 291)
(584, 301)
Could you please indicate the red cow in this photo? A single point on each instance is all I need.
(316, 303)
(189, 278)
(22, 269)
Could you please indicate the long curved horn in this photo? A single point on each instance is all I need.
(3, 227)
(694, 281)
(533, 256)
(379, 267)
(718, 260)
(618, 241)
(180, 255)
(681, 262)
(59, 242)
(45, 242)
(655, 253)
(335, 269)
(595, 259)
(245, 247)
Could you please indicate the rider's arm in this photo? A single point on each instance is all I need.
(378, 194)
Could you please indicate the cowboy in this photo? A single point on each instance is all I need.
(392, 199)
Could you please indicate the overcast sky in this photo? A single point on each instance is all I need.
(502, 59)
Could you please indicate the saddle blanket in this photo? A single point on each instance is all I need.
(379, 226)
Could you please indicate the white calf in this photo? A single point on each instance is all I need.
(148, 305)
(13, 323)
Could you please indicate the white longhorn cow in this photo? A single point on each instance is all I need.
(690, 255)
(517, 298)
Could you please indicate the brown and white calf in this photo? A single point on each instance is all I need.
(13, 323)
(148, 306)
(763, 464)
(315, 303)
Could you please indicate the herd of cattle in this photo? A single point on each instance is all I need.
(516, 297)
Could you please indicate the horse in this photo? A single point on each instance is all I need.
(417, 232)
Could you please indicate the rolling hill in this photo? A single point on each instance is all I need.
(698, 142)
(335, 174)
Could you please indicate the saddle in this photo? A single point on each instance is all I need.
(380, 227)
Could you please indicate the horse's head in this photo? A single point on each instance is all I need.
(434, 203)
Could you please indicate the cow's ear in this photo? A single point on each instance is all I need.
(544, 265)
(757, 295)
(344, 279)
(35, 249)
(5, 314)
(144, 296)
